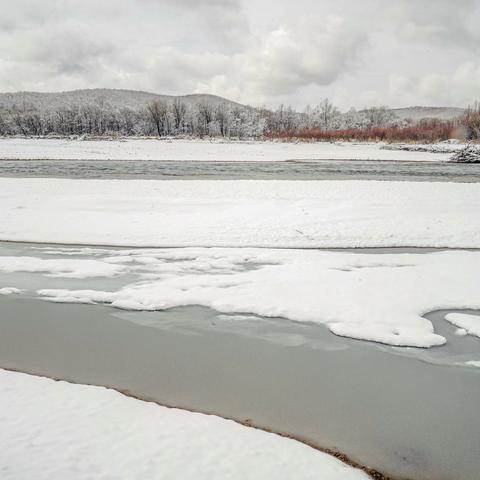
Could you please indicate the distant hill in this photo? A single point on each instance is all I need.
(135, 99)
(117, 98)
(420, 113)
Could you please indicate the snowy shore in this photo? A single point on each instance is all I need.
(97, 433)
(205, 150)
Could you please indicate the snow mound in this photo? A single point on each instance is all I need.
(56, 431)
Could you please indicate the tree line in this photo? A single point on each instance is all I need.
(204, 119)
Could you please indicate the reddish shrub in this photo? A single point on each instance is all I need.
(424, 132)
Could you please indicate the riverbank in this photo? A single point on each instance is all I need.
(244, 213)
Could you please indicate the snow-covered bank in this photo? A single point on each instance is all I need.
(240, 213)
(56, 430)
(151, 149)
(368, 296)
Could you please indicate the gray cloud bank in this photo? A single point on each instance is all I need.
(264, 51)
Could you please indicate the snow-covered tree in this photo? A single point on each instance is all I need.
(158, 112)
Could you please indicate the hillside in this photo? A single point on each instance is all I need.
(117, 98)
(135, 99)
(419, 113)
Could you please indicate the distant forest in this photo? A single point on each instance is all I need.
(323, 122)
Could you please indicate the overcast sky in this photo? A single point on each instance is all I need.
(356, 52)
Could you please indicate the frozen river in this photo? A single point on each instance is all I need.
(412, 413)
(216, 170)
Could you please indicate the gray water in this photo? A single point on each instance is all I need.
(402, 416)
(411, 413)
(290, 170)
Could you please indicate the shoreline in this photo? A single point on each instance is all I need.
(370, 249)
(374, 474)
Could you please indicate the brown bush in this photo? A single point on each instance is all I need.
(424, 132)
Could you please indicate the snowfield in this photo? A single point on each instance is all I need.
(240, 213)
(56, 431)
(153, 149)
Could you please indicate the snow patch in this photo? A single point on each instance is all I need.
(65, 268)
(468, 322)
(10, 291)
(374, 297)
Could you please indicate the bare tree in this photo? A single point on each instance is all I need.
(68, 120)
(33, 122)
(222, 119)
(205, 117)
(158, 114)
(127, 121)
(18, 121)
(326, 112)
(179, 111)
(4, 127)
(379, 116)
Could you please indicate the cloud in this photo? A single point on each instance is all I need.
(457, 89)
(199, 4)
(307, 51)
(439, 21)
(408, 51)
(312, 50)
(224, 22)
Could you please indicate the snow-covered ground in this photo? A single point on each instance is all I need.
(57, 431)
(240, 213)
(151, 149)
(378, 297)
